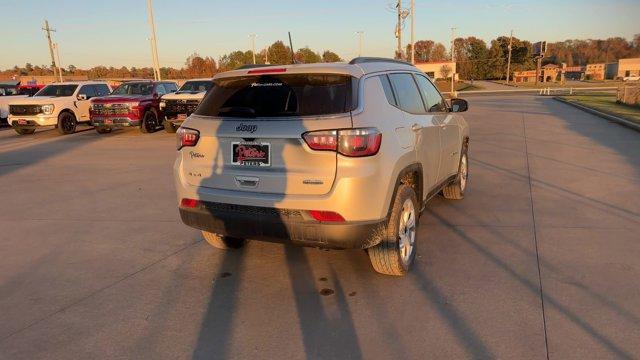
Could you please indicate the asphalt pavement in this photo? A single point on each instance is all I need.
(540, 260)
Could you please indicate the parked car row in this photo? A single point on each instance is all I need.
(149, 105)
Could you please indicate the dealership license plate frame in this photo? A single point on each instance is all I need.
(255, 162)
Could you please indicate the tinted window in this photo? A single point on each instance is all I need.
(88, 91)
(196, 86)
(407, 93)
(102, 90)
(134, 89)
(57, 90)
(171, 87)
(160, 89)
(279, 95)
(431, 96)
(388, 91)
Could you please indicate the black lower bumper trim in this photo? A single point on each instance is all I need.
(283, 226)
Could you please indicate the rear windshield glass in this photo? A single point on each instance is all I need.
(276, 95)
(196, 86)
(57, 90)
(134, 89)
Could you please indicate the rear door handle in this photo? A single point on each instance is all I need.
(416, 127)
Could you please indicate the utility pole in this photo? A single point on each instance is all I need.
(253, 46)
(453, 61)
(399, 30)
(154, 43)
(153, 59)
(55, 47)
(360, 35)
(53, 59)
(413, 28)
(509, 58)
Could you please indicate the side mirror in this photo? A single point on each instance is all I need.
(459, 105)
(82, 97)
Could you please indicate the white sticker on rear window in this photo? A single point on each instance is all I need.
(266, 84)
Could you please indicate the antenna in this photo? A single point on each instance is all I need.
(293, 54)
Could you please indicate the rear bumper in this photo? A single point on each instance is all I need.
(114, 121)
(281, 225)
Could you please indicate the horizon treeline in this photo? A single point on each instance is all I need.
(475, 58)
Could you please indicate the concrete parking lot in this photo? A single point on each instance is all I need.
(541, 260)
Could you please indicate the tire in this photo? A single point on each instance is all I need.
(223, 242)
(393, 256)
(66, 123)
(22, 131)
(103, 129)
(455, 190)
(149, 122)
(170, 127)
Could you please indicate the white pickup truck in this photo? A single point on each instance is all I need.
(62, 105)
(177, 106)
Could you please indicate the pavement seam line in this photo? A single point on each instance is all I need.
(66, 307)
(535, 237)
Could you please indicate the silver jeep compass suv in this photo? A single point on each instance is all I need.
(325, 155)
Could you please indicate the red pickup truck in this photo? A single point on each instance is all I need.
(135, 103)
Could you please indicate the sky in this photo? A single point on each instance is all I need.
(116, 32)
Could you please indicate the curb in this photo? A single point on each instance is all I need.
(619, 120)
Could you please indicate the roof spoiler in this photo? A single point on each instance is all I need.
(363, 60)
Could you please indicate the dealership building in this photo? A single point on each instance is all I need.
(437, 69)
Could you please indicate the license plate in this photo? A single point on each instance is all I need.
(108, 121)
(22, 122)
(181, 116)
(251, 154)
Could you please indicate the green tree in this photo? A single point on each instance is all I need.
(438, 53)
(330, 56)
(279, 54)
(307, 56)
(423, 50)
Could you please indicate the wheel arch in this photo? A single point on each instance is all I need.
(68, 110)
(410, 175)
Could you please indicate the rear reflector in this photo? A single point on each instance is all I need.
(189, 203)
(328, 216)
(267, 71)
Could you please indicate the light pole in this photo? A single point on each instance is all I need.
(154, 43)
(509, 58)
(360, 36)
(253, 46)
(453, 62)
(413, 26)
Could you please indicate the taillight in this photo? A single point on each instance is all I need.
(267, 71)
(189, 203)
(351, 142)
(322, 140)
(327, 216)
(359, 142)
(187, 137)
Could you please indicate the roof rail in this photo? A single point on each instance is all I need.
(364, 59)
(252, 66)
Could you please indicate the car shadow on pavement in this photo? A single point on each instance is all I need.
(533, 287)
(22, 154)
